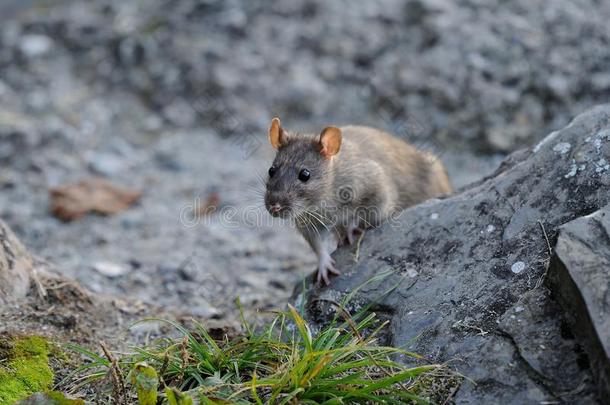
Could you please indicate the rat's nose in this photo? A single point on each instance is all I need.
(275, 208)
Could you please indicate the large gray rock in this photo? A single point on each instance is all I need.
(580, 275)
(466, 272)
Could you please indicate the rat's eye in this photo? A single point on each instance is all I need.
(272, 170)
(304, 175)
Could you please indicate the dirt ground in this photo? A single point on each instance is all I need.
(63, 121)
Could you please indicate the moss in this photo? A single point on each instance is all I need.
(24, 368)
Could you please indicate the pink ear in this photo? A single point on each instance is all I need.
(277, 136)
(330, 141)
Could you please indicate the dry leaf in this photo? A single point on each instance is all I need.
(94, 195)
(209, 206)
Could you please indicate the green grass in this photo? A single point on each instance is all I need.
(281, 363)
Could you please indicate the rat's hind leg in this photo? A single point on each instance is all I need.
(354, 231)
(324, 244)
(363, 219)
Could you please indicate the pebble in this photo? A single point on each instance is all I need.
(109, 269)
(34, 45)
(411, 272)
(517, 267)
(204, 310)
(106, 164)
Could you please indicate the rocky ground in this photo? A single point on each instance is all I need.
(174, 99)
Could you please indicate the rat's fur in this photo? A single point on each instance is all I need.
(372, 176)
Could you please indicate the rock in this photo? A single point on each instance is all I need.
(106, 164)
(204, 310)
(479, 258)
(16, 266)
(580, 276)
(34, 45)
(110, 269)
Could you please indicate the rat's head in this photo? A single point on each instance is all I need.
(301, 170)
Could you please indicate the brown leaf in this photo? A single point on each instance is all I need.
(94, 195)
(209, 206)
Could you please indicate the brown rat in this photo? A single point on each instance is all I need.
(336, 184)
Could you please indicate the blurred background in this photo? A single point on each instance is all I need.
(173, 99)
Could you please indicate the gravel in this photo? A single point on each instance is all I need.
(174, 99)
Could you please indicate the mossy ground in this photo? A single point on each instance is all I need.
(24, 367)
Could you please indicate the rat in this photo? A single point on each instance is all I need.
(336, 184)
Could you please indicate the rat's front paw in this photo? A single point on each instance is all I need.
(326, 264)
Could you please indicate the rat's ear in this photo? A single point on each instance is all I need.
(277, 135)
(330, 141)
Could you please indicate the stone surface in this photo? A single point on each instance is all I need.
(16, 266)
(580, 275)
(466, 272)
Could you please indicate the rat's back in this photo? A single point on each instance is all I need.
(415, 175)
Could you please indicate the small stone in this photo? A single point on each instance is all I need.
(105, 163)
(411, 272)
(35, 45)
(517, 267)
(434, 216)
(204, 310)
(490, 228)
(519, 308)
(189, 272)
(109, 269)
